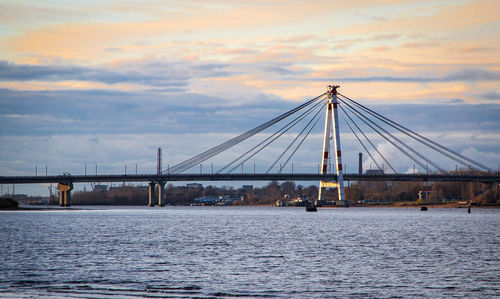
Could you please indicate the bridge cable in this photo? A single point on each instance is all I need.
(358, 114)
(281, 131)
(302, 141)
(219, 150)
(230, 143)
(362, 144)
(264, 146)
(298, 135)
(371, 143)
(222, 147)
(424, 140)
(392, 124)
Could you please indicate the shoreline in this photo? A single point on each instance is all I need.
(391, 205)
(446, 206)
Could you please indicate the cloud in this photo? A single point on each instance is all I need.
(465, 75)
(472, 49)
(297, 39)
(121, 123)
(114, 76)
(152, 73)
(490, 95)
(268, 71)
(476, 74)
(478, 128)
(149, 72)
(36, 13)
(111, 111)
(491, 159)
(384, 37)
(431, 17)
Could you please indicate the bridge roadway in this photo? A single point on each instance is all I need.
(489, 178)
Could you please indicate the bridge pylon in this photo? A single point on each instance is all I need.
(161, 193)
(331, 119)
(151, 193)
(65, 193)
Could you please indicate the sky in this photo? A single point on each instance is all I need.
(86, 83)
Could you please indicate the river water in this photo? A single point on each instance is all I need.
(209, 252)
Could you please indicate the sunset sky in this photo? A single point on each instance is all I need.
(108, 82)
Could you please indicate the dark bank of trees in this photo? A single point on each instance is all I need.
(8, 203)
(124, 195)
(361, 192)
(477, 193)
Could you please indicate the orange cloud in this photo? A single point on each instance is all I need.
(447, 18)
(237, 23)
(249, 35)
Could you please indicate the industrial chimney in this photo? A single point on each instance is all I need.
(158, 167)
(360, 169)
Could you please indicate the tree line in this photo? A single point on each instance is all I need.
(356, 193)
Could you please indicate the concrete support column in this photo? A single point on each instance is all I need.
(65, 194)
(161, 194)
(67, 200)
(61, 197)
(151, 193)
(321, 195)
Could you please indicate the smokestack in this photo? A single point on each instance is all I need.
(360, 169)
(158, 168)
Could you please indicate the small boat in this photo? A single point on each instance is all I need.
(311, 207)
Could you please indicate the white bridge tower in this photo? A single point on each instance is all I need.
(332, 117)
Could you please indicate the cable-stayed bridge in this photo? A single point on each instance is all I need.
(363, 122)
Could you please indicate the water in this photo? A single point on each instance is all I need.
(250, 252)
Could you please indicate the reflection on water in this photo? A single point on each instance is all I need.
(249, 251)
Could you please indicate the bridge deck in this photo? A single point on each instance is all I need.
(245, 177)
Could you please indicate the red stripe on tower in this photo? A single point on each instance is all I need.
(335, 105)
(329, 107)
(325, 155)
(339, 154)
(324, 168)
(340, 167)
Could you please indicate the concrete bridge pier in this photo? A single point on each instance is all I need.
(65, 194)
(494, 186)
(161, 194)
(151, 193)
(323, 185)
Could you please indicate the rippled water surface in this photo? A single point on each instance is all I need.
(250, 252)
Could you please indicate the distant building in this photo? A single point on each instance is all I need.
(100, 188)
(224, 200)
(247, 188)
(19, 197)
(194, 185)
(374, 171)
